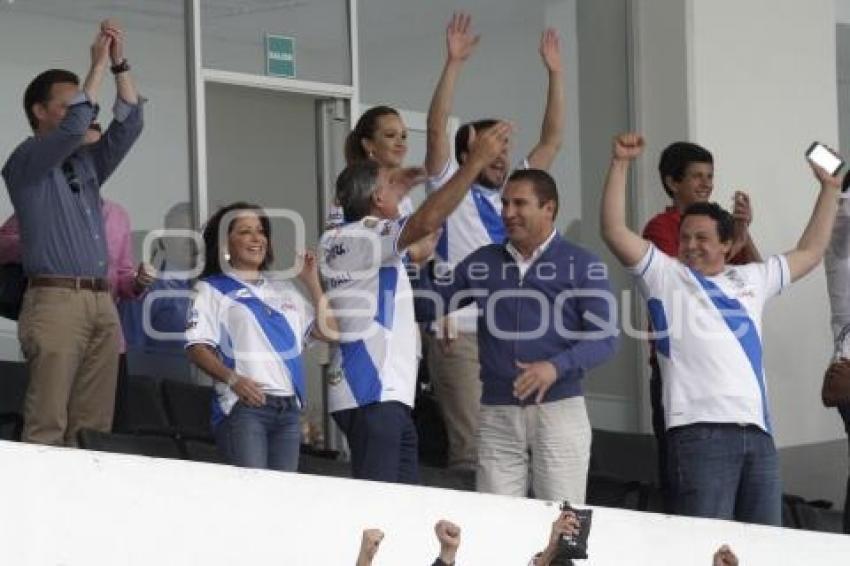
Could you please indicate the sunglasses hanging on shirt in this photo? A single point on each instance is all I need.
(71, 176)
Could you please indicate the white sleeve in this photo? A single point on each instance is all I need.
(775, 275)
(652, 269)
(372, 243)
(438, 181)
(203, 325)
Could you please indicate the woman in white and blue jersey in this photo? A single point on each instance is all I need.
(247, 330)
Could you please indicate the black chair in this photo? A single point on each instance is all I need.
(608, 491)
(816, 515)
(200, 451)
(188, 408)
(156, 446)
(11, 426)
(322, 464)
(140, 407)
(13, 387)
(624, 455)
(461, 480)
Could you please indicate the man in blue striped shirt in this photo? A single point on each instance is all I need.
(68, 326)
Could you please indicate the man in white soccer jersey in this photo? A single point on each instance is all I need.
(453, 352)
(707, 316)
(374, 366)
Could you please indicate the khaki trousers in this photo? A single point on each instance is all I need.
(70, 341)
(552, 440)
(455, 375)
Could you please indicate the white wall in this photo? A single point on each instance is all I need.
(79, 508)
(759, 94)
(842, 11)
(613, 388)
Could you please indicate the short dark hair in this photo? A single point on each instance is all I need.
(845, 184)
(675, 159)
(354, 188)
(543, 184)
(462, 135)
(365, 129)
(722, 218)
(212, 244)
(39, 90)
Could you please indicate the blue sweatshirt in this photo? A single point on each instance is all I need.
(561, 311)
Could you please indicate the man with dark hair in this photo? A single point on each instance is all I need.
(549, 316)
(68, 326)
(686, 171)
(453, 356)
(374, 365)
(707, 315)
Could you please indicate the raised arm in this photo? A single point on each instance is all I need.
(123, 131)
(743, 248)
(124, 85)
(460, 43)
(620, 239)
(552, 132)
(429, 217)
(815, 238)
(325, 327)
(38, 155)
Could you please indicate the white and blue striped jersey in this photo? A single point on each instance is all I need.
(708, 337)
(221, 321)
(476, 222)
(377, 357)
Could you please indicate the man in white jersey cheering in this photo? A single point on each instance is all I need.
(707, 318)
(373, 368)
(453, 353)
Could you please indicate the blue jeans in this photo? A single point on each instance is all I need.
(266, 437)
(724, 471)
(383, 442)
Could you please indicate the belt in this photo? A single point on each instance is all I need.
(277, 402)
(88, 283)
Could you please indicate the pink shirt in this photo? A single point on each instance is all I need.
(121, 271)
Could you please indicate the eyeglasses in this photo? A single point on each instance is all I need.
(71, 176)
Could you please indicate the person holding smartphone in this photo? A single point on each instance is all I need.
(723, 462)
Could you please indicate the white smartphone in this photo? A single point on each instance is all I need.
(821, 155)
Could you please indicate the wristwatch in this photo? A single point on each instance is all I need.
(121, 67)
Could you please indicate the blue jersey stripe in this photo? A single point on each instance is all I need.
(658, 319)
(744, 329)
(490, 217)
(360, 372)
(387, 280)
(273, 324)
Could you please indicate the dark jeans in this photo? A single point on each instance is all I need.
(262, 437)
(725, 471)
(658, 427)
(383, 442)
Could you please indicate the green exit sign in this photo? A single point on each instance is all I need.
(280, 56)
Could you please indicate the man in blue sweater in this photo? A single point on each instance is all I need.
(546, 315)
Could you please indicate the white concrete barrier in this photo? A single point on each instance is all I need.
(79, 508)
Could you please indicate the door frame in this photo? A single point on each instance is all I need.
(199, 76)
